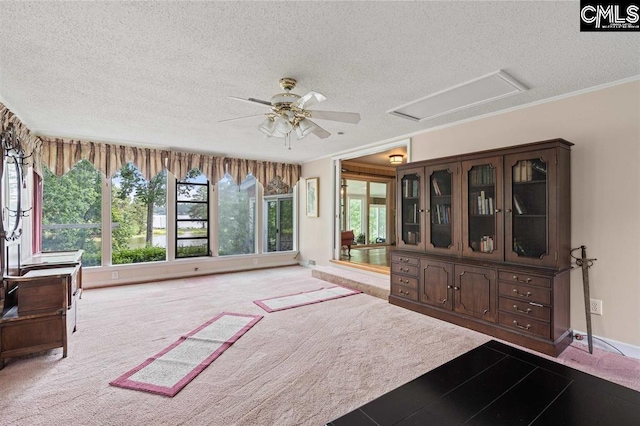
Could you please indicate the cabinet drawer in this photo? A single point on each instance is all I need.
(404, 269)
(406, 292)
(404, 281)
(519, 278)
(525, 325)
(405, 260)
(525, 292)
(526, 309)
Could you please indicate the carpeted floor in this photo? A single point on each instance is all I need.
(302, 366)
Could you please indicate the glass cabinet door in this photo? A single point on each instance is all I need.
(411, 204)
(482, 198)
(529, 206)
(442, 211)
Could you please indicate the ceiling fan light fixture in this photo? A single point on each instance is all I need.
(396, 159)
(283, 125)
(267, 126)
(289, 113)
(304, 128)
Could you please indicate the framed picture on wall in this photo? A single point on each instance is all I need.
(312, 197)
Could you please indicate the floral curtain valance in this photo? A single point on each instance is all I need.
(60, 155)
(29, 142)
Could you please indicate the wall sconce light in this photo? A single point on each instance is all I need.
(395, 159)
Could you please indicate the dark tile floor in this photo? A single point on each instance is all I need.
(496, 384)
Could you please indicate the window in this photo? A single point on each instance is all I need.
(279, 222)
(364, 204)
(71, 212)
(236, 216)
(138, 216)
(356, 219)
(192, 216)
(377, 213)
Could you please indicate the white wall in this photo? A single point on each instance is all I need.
(316, 233)
(604, 125)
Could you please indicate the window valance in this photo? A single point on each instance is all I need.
(29, 142)
(60, 155)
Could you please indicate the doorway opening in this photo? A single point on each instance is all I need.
(366, 206)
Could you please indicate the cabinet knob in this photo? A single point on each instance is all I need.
(528, 280)
(456, 288)
(422, 210)
(449, 286)
(508, 210)
(498, 210)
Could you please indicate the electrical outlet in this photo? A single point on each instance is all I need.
(311, 262)
(596, 306)
(114, 275)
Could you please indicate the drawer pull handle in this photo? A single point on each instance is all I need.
(403, 281)
(443, 301)
(404, 292)
(520, 310)
(527, 294)
(404, 260)
(528, 280)
(524, 327)
(404, 269)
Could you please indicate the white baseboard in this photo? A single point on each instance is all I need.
(627, 349)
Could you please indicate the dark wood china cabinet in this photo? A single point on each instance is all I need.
(484, 241)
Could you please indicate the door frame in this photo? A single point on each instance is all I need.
(336, 164)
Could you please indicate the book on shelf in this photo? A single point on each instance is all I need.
(523, 171)
(518, 205)
(436, 187)
(540, 168)
(415, 188)
(486, 244)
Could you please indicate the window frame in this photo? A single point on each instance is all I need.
(207, 203)
(265, 221)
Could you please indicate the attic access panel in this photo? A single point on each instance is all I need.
(491, 87)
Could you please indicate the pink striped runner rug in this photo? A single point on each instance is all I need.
(170, 370)
(281, 303)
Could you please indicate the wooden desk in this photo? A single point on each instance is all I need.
(43, 314)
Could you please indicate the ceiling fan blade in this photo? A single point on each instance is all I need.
(319, 131)
(345, 117)
(309, 99)
(251, 100)
(240, 118)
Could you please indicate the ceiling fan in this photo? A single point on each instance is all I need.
(289, 113)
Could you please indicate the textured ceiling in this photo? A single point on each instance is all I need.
(158, 74)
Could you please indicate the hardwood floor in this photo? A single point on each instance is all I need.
(496, 384)
(376, 257)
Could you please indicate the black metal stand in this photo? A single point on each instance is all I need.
(585, 264)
